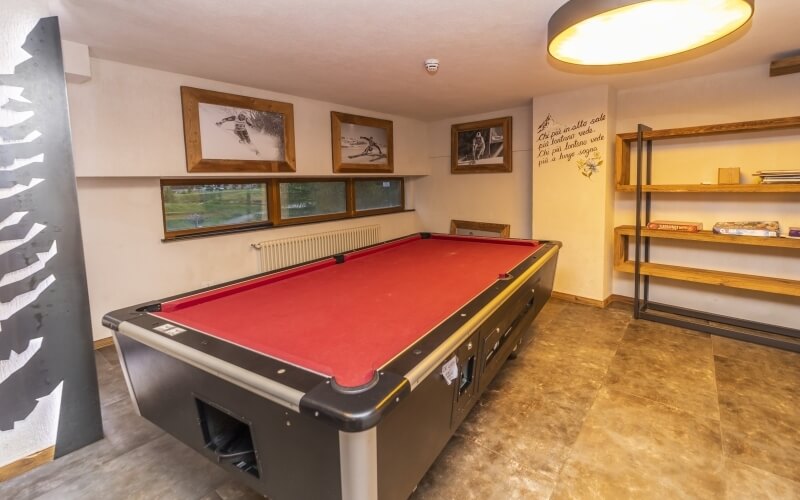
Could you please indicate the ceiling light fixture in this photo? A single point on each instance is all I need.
(605, 32)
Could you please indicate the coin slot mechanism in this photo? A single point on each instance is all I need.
(467, 375)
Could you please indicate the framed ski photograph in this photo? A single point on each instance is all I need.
(232, 133)
(481, 147)
(361, 144)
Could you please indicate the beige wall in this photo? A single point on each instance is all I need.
(127, 122)
(127, 133)
(745, 94)
(497, 197)
(568, 206)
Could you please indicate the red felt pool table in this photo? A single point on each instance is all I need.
(354, 370)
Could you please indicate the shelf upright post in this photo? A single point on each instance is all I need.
(647, 206)
(638, 303)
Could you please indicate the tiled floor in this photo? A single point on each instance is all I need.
(598, 406)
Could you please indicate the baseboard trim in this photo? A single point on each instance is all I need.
(99, 344)
(579, 300)
(622, 299)
(30, 462)
(602, 304)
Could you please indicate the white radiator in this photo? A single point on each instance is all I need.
(276, 254)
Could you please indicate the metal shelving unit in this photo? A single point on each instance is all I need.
(643, 269)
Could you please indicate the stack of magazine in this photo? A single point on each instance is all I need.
(779, 176)
(749, 228)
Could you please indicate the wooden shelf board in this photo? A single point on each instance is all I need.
(720, 128)
(711, 237)
(785, 66)
(721, 278)
(712, 188)
(626, 142)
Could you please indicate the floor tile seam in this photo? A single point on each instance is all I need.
(571, 447)
(683, 359)
(795, 481)
(716, 384)
(130, 451)
(646, 342)
(620, 325)
(521, 463)
(213, 490)
(472, 438)
(598, 351)
(748, 361)
(723, 456)
(676, 329)
(664, 404)
(782, 424)
(605, 380)
(125, 452)
(102, 461)
(112, 402)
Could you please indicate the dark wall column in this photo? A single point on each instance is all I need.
(48, 384)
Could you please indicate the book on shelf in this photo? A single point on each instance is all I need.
(673, 225)
(780, 180)
(778, 176)
(749, 228)
(794, 232)
(773, 173)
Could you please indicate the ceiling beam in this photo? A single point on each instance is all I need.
(785, 66)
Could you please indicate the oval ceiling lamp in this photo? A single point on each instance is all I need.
(606, 32)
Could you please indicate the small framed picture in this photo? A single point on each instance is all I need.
(472, 228)
(481, 147)
(232, 133)
(361, 144)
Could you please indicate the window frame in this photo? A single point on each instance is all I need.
(273, 202)
(280, 221)
(378, 211)
(169, 235)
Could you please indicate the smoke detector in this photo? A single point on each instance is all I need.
(431, 65)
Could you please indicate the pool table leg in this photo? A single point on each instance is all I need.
(358, 456)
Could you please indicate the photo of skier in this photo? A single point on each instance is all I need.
(240, 123)
(481, 146)
(478, 147)
(371, 147)
(231, 133)
(363, 144)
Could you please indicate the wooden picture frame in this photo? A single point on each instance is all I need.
(487, 229)
(481, 147)
(361, 144)
(232, 133)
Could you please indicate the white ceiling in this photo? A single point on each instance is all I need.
(370, 53)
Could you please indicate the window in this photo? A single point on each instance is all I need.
(315, 199)
(210, 206)
(380, 194)
(191, 207)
